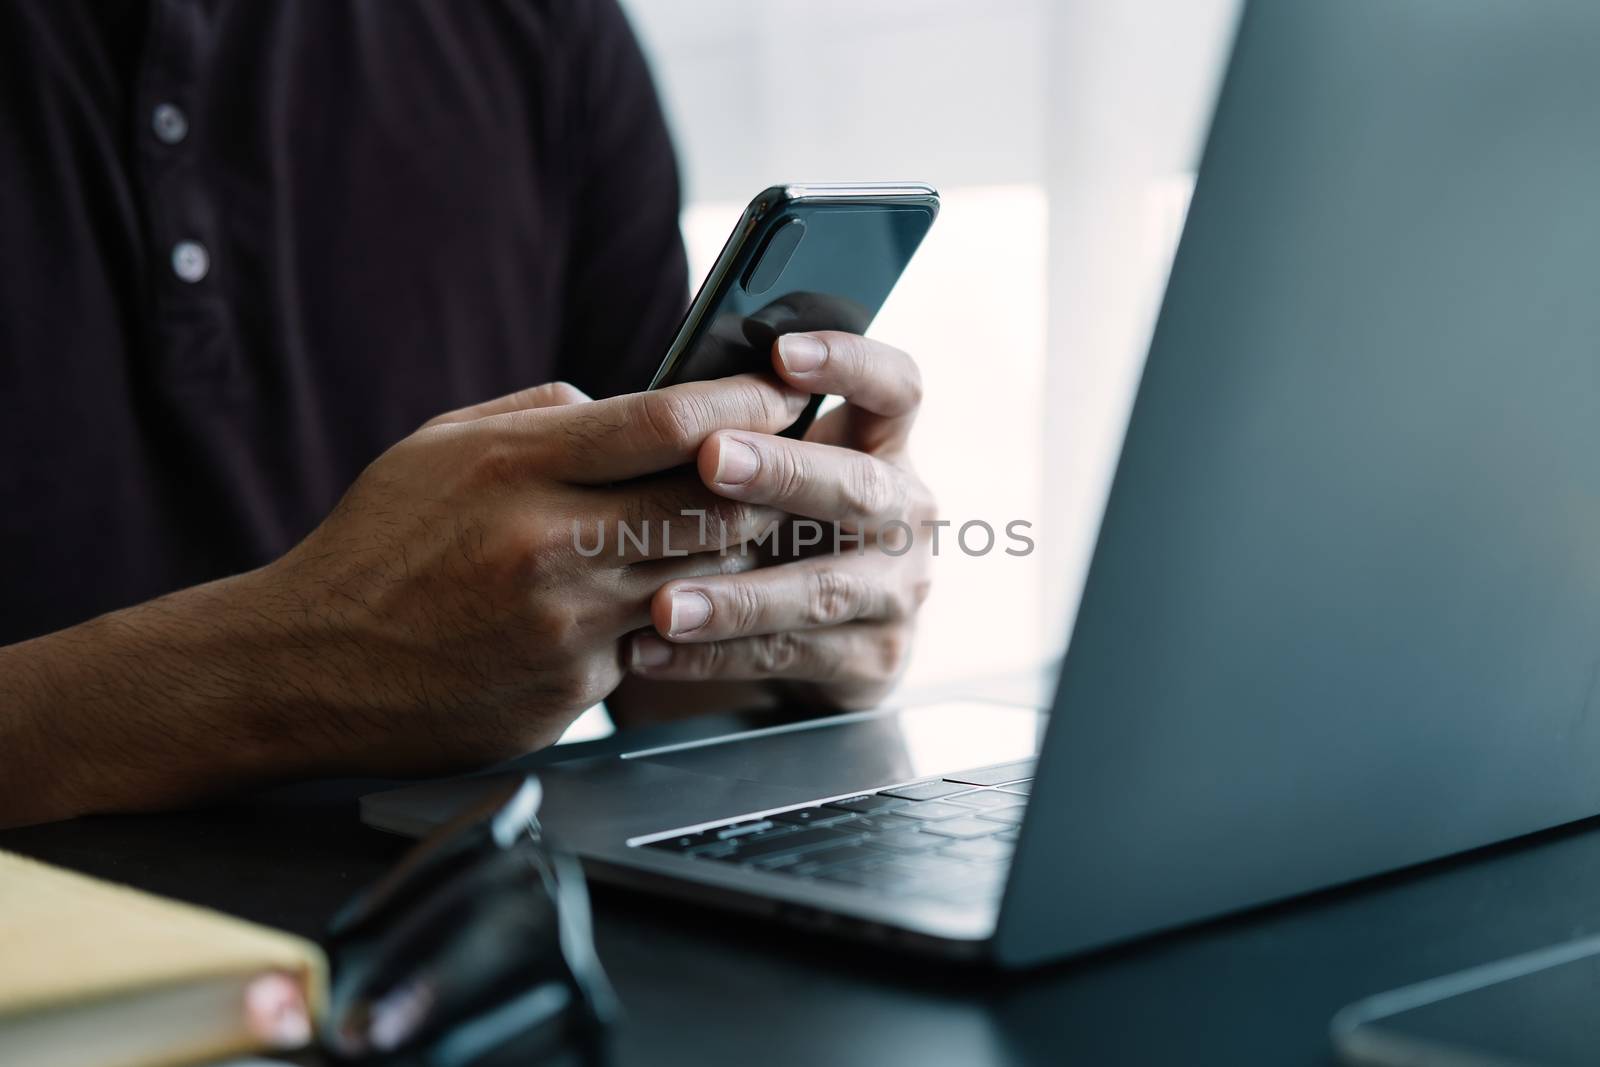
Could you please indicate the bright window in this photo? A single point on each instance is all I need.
(1063, 137)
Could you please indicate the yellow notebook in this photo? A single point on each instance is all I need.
(99, 975)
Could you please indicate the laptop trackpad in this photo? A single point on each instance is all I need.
(852, 753)
(594, 803)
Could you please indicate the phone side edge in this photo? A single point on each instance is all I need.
(749, 222)
(770, 200)
(912, 190)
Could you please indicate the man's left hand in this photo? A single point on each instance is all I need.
(837, 622)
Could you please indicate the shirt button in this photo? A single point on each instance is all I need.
(170, 124)
(190, 260)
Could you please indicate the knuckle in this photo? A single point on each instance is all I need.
(749, 399)
(563, 392)
(849, 349)
(787, 474)
(495, 464)
(592, 681)
(734, 563)
(760, 406)
(732, 520)
(578, 433)
(913, 384)
(706, 520)
(777, 654)
(539, 537)
(555, 623)
(894, 646)
(666, 503)
(747, 402)
(861, 358)
(901, 602)
(511, 555)
(868, 489)
(670, 418)
(570, 689)
(636, 511)
(832, 598)
(745, 607)
(701, 661)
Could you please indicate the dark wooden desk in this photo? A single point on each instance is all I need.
(704, 989)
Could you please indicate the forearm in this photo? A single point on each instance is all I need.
(144, 708)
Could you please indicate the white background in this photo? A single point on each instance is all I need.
(1064, 138)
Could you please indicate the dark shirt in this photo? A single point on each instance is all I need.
(246, 246)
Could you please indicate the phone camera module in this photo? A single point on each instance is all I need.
(774, 256)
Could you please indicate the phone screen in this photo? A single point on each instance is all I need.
(810, 264)
(1538, 1010)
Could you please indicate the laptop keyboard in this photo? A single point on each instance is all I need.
(948, 839)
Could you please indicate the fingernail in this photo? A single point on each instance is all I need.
(801, 353)
(690, 610)
(736, 462)
(649, 652)
(275, 1011)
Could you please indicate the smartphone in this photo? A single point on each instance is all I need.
(803, 257)
(1534, 1010)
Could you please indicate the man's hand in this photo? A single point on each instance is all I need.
(447, 613)
(840, 622)
(459, 616)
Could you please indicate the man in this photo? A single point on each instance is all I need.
(246, 249)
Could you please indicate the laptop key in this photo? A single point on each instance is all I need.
(921, 871)
(837, 856)
(868, 803)
(685, 842)
(985, 798)
(1005, 816)
(961, 829)
(925, 790)
(741, 829)
(908, 841)
(980, 850)
(812, 817)
(768, 843)
(873, 824)
(1006, 772)
(929, 810)
(782, 859)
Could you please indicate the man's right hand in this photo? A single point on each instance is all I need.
(455, 612)
(442, 616)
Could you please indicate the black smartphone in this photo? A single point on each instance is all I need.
(803, 257)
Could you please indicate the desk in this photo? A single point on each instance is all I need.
(704, 989)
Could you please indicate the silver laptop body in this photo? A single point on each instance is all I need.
(1344, 611)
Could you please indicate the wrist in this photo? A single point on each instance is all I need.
(149, 707)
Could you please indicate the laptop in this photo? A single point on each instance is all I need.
(1343, 614)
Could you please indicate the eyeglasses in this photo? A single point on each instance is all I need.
(477, 950)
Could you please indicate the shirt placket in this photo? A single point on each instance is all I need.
(192, 334)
